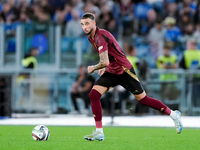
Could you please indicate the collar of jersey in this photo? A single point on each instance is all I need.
(95, 33)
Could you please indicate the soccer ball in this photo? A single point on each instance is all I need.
(40, 133)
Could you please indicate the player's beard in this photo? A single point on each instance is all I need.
(90, 32)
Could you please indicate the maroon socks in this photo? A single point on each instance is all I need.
(97, 110)
(96, 107)
(156, 104)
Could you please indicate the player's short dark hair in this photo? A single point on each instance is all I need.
(88, 15)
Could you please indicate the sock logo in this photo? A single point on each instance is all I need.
(94, 115)
(161, 109)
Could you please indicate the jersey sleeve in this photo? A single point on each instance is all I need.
(102, 45)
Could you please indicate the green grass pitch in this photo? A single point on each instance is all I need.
(116, 138)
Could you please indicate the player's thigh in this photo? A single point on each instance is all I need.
(105, 82)
(100, 89)
(131, 83)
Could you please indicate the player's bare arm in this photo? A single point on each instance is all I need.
(104, 62)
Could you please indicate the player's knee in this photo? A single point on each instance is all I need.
(141, 96)
(94, 95)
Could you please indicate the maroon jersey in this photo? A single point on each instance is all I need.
(104, 40)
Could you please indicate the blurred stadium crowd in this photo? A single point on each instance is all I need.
(143, 23)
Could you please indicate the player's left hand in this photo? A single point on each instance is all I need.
(90, 69)
(101, 71)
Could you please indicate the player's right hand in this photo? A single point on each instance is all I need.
(101, 71)
(90, 69)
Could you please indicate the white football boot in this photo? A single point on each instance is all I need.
(96, 135)
(177, 122)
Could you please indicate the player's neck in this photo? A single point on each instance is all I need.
(92, 34)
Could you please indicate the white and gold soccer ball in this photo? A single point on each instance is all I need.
(40, 133)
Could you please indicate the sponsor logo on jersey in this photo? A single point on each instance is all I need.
(100, 48)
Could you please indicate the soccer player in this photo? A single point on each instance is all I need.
(115, 69)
